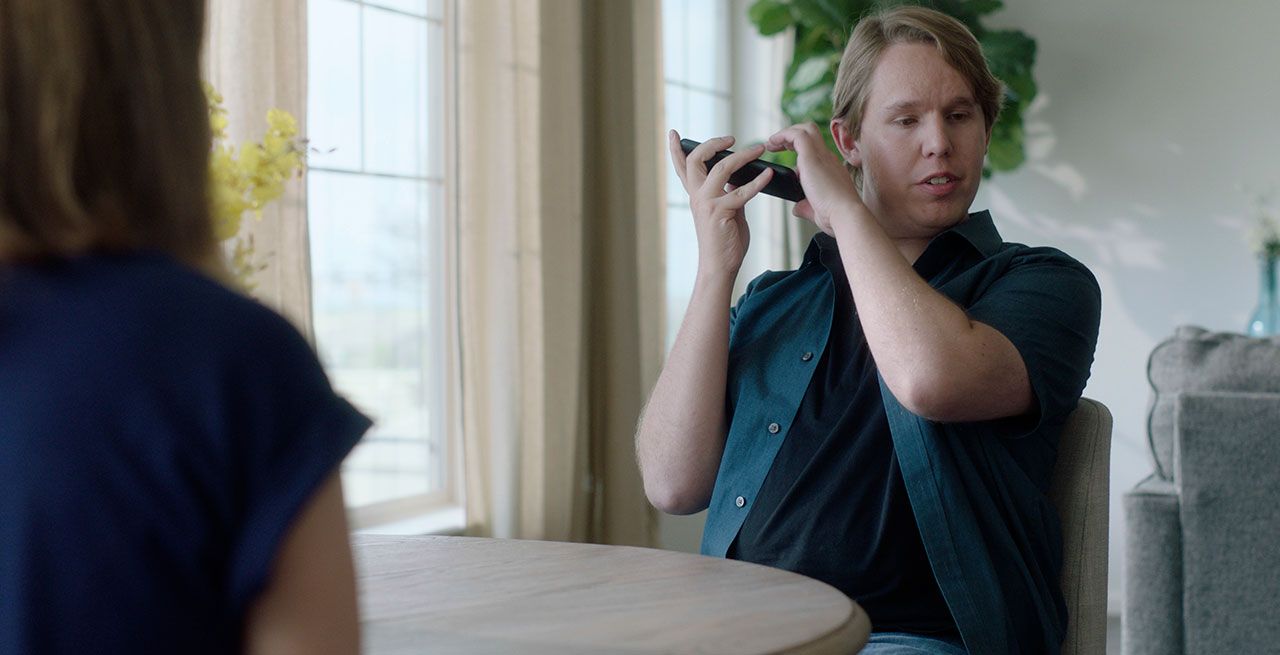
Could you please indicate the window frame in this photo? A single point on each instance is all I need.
(438, 511)
(748, 52)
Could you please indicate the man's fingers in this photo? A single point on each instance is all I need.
(720, 173)
(796, 137)
(749, 190)
(803, 209)
(696, 162)
(677, 154)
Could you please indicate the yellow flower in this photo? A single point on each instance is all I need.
(283, 122)
(249, 179)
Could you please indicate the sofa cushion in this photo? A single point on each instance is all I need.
(1194, 359)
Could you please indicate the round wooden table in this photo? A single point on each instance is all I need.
(480, 596)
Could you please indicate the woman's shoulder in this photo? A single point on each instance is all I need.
(138, 306)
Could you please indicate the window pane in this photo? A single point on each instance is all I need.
(682, 265)
(675, 101)
(395, 87)
(673, 41)
(374, 245)
(333, 83)
(696, 47)
(709, 116)
(432, 104)
(707, 44)
(415, 7)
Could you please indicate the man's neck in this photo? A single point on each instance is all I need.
(911, 248)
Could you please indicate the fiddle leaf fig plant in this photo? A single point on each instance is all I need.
(821, 28)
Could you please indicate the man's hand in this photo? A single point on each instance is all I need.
(828, 188)
(719, 220)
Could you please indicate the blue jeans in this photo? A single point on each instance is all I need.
(902, 643)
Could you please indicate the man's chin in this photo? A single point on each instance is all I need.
(943, 216)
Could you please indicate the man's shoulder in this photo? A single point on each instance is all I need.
(774, 298)
(782, 291)
(765, 280)
(1043, 262)
(1020, 254)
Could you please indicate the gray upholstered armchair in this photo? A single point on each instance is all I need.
(1202, 568)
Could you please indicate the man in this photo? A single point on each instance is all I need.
(885, 418)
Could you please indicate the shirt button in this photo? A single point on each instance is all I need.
(806, 357)
(740, 501)
(774, 428)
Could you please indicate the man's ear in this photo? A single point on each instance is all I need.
(847, 142)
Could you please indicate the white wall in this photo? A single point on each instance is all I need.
(1151, 113)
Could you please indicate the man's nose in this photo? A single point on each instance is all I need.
(937, 139)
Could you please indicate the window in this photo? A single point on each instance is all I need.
(377, 182)
(721, 78)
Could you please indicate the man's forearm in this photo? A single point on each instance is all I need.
(681, 434)
(936, 361)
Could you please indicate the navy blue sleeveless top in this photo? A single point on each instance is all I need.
(158, 434)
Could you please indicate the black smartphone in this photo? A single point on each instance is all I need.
(785, 183)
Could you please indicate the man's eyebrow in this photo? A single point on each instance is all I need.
(901, 106)
(958, 102)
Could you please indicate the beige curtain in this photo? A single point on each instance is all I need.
(559, 265)
(256, 56)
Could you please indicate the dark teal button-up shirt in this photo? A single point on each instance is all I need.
(978, 489)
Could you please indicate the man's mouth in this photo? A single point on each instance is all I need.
(940, 184)
(939, 178)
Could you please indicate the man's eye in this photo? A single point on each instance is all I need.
(959, 116)
(906, 121)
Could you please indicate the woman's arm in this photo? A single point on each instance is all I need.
(309, 604)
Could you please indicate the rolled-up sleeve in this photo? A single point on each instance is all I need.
(1049, 306)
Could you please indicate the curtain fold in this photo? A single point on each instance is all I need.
(559, 263)
(256, 56)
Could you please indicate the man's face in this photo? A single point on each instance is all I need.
(922, 143)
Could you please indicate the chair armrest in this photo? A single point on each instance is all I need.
(1151, 623)
(1225, 452)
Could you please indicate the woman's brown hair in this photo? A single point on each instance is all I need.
(104, 130)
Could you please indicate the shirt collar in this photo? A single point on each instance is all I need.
(977, 230)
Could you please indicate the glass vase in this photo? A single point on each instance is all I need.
(1266, 318)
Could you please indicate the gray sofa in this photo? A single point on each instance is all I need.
(1202, 570)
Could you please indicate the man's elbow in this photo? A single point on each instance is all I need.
(676, 499)
(955, 400)
(926, 398)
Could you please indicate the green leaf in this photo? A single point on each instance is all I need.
(981, 7)
(784, 157)
(1006, 152)
(770, 16)
(1011, 56)
(1009, 52)
(804, 105)
(822, 14)
(809, 73)
(1021, 88)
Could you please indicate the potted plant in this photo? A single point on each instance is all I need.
(821, 29)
